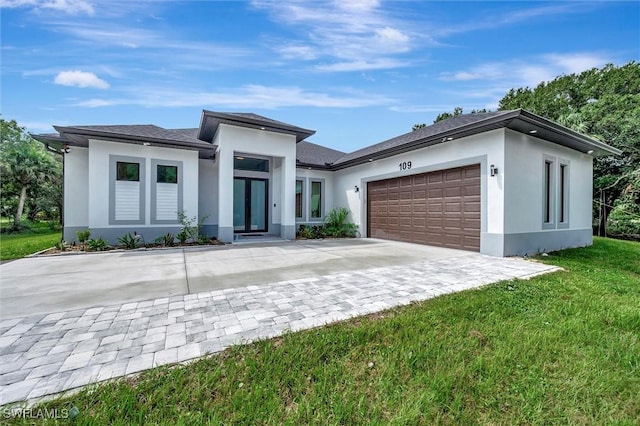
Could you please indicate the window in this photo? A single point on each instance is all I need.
(250, 164)
(128, 171)
(166, 191)
(126, 190)
(548, 191)
(316, 200)
(167, 174)
(299, 198)
(563, 195)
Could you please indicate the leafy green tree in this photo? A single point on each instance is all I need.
(26, 168)
(418, 126)
(457, 111)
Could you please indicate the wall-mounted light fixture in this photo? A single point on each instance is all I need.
(494, 170)
(356, 189)
(66, 148)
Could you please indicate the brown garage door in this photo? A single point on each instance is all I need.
(438, 208)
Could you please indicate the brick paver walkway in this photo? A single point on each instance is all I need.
(47, 354)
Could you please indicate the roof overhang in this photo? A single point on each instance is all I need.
(519, 120)
(539, 127)
(210, 122)
(70, 136)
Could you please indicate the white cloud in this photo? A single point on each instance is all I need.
(80, 79)
(349, 35)
(71, 7)
(375, 64)
(530, 72)
(249, 96)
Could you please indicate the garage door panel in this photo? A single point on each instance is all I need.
(437, 208)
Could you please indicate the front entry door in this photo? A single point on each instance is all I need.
(250, 203)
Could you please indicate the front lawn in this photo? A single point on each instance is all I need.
(562, 348)
(38, 237)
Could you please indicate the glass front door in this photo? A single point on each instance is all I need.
(250, 202)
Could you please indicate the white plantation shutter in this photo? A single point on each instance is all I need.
(127, 200)
(166, 201)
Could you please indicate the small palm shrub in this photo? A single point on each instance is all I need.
(83, 236)
(97, 244)
(129, 241)
(166, 240)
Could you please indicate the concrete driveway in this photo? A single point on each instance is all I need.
(43, 285)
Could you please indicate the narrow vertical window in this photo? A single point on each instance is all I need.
(564, 190)
(316, 200)
(547, 191)
(299, 199)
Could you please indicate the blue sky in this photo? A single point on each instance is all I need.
(358, 72)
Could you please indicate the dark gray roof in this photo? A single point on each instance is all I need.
(133, 134)
(311, 154)
(439, 128)
(211, 120)
(469, 124)
(139, 130)
(192, 132)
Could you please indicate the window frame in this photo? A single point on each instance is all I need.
(302, 200)
(157, 180)
(154, 189)
(133, 163)
(322, 199)
(549, 182)
(564, 180)
(142, 181)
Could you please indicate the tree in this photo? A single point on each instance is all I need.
(418, 126)
(26, 167)
(457, 111)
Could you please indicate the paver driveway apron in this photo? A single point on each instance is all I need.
(49, 353)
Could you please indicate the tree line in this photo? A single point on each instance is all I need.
(30, 177)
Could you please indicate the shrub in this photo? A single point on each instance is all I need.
(305, 231)
(336, 225)
(624, 219)
(96, 244)
(166, 240)
(83, 236)
(191, 228)
(129, 241)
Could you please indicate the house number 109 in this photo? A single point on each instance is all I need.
(405, 165)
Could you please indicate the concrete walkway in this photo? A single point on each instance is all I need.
(49, 353)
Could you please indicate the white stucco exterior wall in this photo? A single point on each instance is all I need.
(282, 147)
(524, 195)
(484, 149)
(99, 153)
(76, 189)
(208, 195)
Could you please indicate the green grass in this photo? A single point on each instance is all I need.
(562, 348)
(38, 236)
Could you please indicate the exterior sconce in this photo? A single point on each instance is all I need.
(356, 189)
(66, 148)
(494, 170)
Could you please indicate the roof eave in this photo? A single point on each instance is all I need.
(207, 130)
(566, 136)
(79, 137)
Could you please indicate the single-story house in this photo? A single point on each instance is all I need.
(502, 183)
